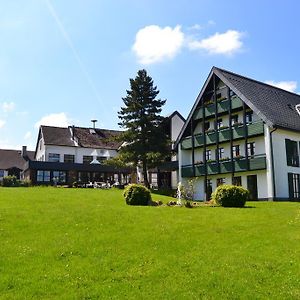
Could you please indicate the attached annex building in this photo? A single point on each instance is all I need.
(244, 132)
(75, 154)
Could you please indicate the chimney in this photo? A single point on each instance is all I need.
(94, 123)
(24, 151)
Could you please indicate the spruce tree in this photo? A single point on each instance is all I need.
(146, 143)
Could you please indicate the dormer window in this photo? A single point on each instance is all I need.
(297, 107)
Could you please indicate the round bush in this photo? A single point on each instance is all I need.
(137, 194)
(230, 196)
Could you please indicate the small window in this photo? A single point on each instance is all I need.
(219, 123)
(1, 173)
(236, 150)
(249, 117)
(208, 154)
(101, 159)
(69, 158)
(251, 149)
(221, 153)
(237, 180)
(87, 159)
(53, 157)
(206, 126)
(234, 119)
(220, 181)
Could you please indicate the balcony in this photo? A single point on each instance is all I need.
(238, 132)
(199, 170)
(222, 106)
(186, 143)
(240, 165)
(187, 171)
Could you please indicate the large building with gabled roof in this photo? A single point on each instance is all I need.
(244, 132)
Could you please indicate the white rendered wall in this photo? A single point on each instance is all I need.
(261, 183)
(281, 169)
(78, 152)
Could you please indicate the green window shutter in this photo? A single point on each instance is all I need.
(291, 189)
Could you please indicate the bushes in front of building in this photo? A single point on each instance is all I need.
(137, 194)
(12, 181)
(230, 196)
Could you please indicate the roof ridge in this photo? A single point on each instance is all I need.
(257, 81)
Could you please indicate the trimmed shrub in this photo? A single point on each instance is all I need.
(9, 181)
(230, 196)
(137, 194)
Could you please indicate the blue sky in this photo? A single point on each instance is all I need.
(66, 62)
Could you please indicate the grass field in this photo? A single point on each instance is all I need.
(87, 244)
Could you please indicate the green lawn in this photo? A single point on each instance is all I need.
(60, 243)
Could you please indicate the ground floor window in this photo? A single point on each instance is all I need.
(220, 181)
(43, 176)
(294, 185)
(59, 176)
(237, 180)
(1, 173)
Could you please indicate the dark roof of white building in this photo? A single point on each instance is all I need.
(83, 137)
(275, 106)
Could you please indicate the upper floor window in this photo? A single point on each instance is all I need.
(249, 117)
(87, 159)
(219, 123)
(208, 154)
(236, 150)
(221, 153)
(234, 119)
(206, 126)
(101, 159)
(69, 158)
(251, 149)
(53, 157)
(292, 157)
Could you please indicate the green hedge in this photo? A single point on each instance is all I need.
(230, 196)
(136, 194)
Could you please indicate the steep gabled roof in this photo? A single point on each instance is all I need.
(85, 137)
(275, 106)
(13, 158)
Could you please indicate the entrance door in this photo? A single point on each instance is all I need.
(252, 186)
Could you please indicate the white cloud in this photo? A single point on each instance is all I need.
(8, 106)
(59, 120)
(2, 123)
(27, 135)
(290, 86)
(226, 43)
(154, 44)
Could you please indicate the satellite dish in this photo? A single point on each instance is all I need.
(298, 109)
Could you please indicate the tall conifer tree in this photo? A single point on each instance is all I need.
(146, 143)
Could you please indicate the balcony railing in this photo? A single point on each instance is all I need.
(238, 132)
(241, 164)
(222, 106)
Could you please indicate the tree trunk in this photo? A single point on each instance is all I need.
(145, 175)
